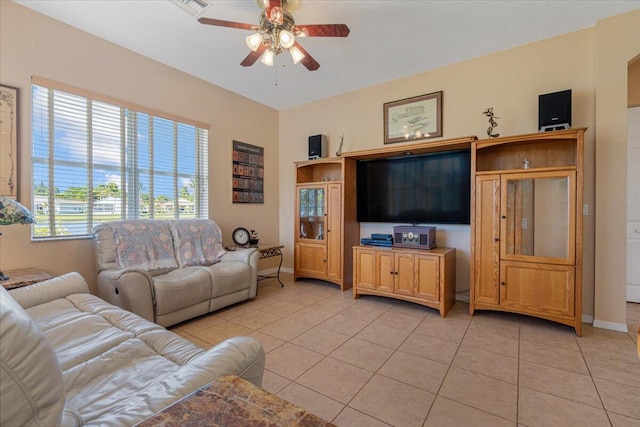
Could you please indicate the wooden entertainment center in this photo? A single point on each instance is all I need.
(526, 229)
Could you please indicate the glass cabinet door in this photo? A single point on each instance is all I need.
(311, 213)
(537, 217)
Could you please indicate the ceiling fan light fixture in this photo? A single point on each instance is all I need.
(287, 39)
(267, 57)
(253, 41)
(296, 54)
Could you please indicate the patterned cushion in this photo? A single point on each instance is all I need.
(197, 241)
(144, 244)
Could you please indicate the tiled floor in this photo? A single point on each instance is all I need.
(379, 362)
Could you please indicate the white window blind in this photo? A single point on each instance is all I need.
(96, 161)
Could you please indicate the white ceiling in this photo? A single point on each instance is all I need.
(389, 38)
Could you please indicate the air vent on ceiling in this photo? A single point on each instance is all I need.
(193, 7)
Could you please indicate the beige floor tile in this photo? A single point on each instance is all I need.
(481, 392)
(199, 323)
(313, 402)
(496, 323)
(333, 305)
(378, 333)
(448, 413)
(335, 379)
(411, 309)
(362, 311)
(541, 409)
(494, 343)
(291, 361)
(193, 339)
(285, 329)
(239, 309)
(363, 354)
(310, 316)
(344, 325)
(220, 332)
(349, 417)
(307, 298)
(393, 402)
(398, 319)
(320, 340)
(282, 308)
(618, 420)
(619, 398)
(614, 370)
(550, 334)
(555, 357)
(269, 343)
(429, 348)
(444, 329)
(483, 362)
(589, 332)
(417, 371)
(273, 382)
(611, 349)
(560, 383)
(255, 319)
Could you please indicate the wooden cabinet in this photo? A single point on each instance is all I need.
(425, 277)
(325, 226)
(526, 249)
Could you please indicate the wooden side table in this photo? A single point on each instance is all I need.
(24, 277)
(234, 402)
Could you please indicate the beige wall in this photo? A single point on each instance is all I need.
(617, 41)
(508, 81)
(32, 44)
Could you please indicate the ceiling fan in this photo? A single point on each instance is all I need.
(277, 32)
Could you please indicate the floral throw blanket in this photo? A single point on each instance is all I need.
(145, 245)
(197, 241)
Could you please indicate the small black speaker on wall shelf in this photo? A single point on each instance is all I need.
(317, 146)
(554, 111)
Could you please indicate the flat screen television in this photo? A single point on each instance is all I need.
(432, 188)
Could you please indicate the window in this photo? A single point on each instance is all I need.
(96, 160)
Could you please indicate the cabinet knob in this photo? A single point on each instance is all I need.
(324, 260)
(503, 283)
(495, 239)
(504, 217)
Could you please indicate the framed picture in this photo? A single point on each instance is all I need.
(9, 141)
(414, 118)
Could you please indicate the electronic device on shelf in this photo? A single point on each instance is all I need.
(378, 240)
(413, 236)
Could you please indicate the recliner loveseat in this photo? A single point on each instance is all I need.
(169, 271)
(68, 358)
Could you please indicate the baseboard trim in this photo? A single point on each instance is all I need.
(614, 326)
(633, 293)
(587, 318)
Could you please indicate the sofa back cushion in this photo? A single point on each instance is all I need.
(31, 387)
(144, 245)
(197, 241)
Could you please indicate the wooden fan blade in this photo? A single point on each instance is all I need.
(308, 61)
(230, 24)
(322, 30)
(253, 56)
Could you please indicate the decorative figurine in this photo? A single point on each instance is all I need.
(339, 152)
(492, 122)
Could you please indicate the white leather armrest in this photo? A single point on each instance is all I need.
(241, 356)
(49, 290)
(129, 289)
(243, 255)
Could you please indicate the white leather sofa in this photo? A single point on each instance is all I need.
(67, 358)
(168, 271)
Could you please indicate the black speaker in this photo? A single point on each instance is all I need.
(317, 146)
(554, 111)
